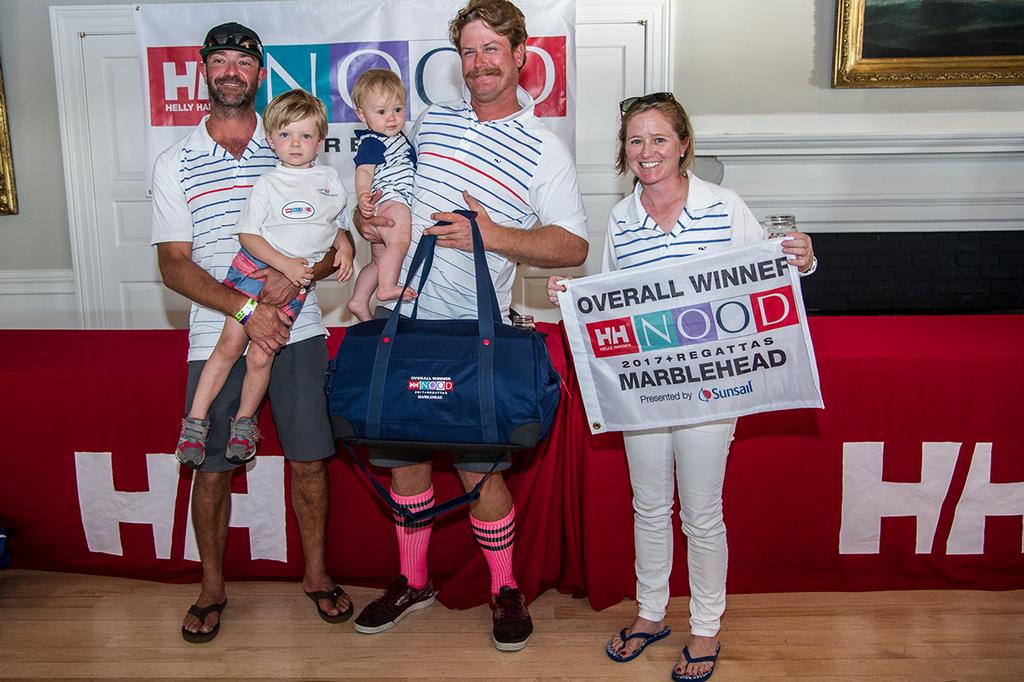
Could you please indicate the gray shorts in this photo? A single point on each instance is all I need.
(476, 462)
(297, 402)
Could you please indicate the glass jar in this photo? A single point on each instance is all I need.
(776, 226)
(524, 322)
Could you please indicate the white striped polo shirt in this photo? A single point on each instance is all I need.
(713, 218)
(395, 163)
(199, 190)
(515, 167)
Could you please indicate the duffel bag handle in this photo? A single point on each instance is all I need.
(487, 314)
(486, 298)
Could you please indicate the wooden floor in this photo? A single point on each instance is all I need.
(63, 626)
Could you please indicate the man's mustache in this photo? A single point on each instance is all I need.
(484, 71)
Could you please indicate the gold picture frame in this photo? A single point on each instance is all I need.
(8, 195)
(850, 69)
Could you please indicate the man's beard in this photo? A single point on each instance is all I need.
(243, 99)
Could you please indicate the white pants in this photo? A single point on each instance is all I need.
(697, 455)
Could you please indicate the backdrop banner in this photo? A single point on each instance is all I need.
(912, 478)
(691, 341)
(323, 46)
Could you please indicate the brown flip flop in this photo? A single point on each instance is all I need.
(201, 614)
(333, 595)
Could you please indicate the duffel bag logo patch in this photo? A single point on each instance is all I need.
(431, 388)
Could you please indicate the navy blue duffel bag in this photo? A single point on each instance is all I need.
(407, 383)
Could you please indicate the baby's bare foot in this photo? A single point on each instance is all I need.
(391, 292)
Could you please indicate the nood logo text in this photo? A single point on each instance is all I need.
(430, 68)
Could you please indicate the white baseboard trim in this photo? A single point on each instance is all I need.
(860, 134)
(22, 282)
(38, 299)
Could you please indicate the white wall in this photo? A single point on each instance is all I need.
(757, 57)
(36, 238)
(755, 76)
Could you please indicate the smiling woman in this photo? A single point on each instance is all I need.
(8, 196)
(673, 214)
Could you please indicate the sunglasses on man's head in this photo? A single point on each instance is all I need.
(246, 42)
(653, 98)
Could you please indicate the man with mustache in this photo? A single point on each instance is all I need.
(200, 185)
(493, 156)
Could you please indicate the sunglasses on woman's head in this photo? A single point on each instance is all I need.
(653, 98)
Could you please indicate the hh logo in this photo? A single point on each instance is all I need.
(104, 508)
(612, 337)
(177, 90)
(867, 499)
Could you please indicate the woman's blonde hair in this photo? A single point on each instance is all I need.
(674, 113)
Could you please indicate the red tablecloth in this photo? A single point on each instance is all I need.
(904, 382)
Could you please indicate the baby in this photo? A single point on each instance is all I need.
(384, 161)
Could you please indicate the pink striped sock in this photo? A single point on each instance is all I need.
(414, 538)
(497, 539)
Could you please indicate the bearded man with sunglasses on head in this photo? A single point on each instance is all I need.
(200, 185)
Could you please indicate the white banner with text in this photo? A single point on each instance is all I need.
(323, 46)
(691, 341)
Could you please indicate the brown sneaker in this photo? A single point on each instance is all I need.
(397, 602)
(512, 623)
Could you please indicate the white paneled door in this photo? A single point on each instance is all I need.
(620, 52)
(130, 295)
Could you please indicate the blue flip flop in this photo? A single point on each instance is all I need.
(646, 639)
(713, 660)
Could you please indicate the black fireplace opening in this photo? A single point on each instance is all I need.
(917, 272)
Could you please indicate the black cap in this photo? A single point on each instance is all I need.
(232, 36)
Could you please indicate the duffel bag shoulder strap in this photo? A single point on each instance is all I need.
(424, 256)
(431, 512)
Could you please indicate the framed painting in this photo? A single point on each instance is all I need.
(8, 197)
(928, 43)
